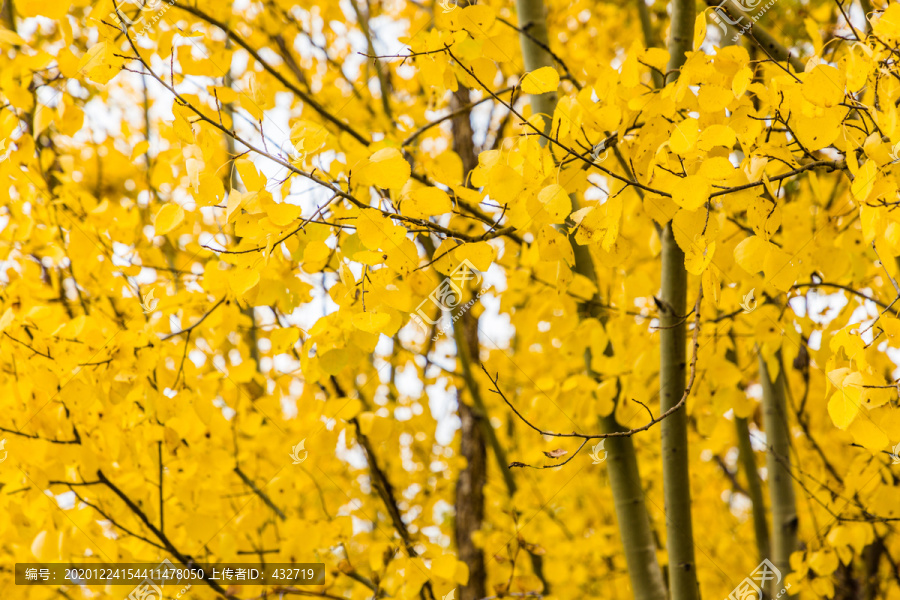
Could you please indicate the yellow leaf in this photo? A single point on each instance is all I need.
(182, 123)
(11, 38)
(315, 256)
(751, 253)
(812, 29)
(252, 107)
(781, 269)
(844, 406)
(691, 192)
(714, 98)
(477, 19)
(444, 566)
(606, 394)
(817, 132)
(479, 254)
(251, 177)
(555, 246)
(429, 201)
(370, 321)
(740, 82)
(716, 135)
(864, 181)
(699, 255)
(281, 213)
(6, 319)
(385, 169)
(541, 81)
(139, 149)
(888, 26)
(168, 218)
(868, 435)
(684, 136)
(42, 547)
(235, 201)
(372, 227)
(824, 86)
(43, 118)
(556, 202)
(711, 285)
(243, 280)
(699, 29)
(94, 57)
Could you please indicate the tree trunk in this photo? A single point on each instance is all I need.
(754, 487)
(624, 476)
(533, 26)
(634, 524)
(649, 40)
(778, 463)
(673, 430)
(762, 38)
(470, 489)
(473, 420)
(872, 557)
(672, 366)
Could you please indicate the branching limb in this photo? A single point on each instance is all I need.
(630, 432)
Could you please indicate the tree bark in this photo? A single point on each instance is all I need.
(778, 464)
(765, 40)
(754, 487)
(872, 557)
(673, 362)
(673, 431)
(474, 425)
(681, 35)
(533, 26)
(649, 40)
(470, 485)
(624, 476)
(634, 524)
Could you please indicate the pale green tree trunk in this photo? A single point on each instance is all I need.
(778, 464)
(621, 463)
(754, 487)
(631, 511)
(747, 460)
(746, 456)
(673, 362)
(533, 25)
(649, 40)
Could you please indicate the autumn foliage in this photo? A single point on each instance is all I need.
(535, 299)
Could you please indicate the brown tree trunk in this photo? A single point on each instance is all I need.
(471, 482)
(472, 479)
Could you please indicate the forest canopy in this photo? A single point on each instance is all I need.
(460, 300)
